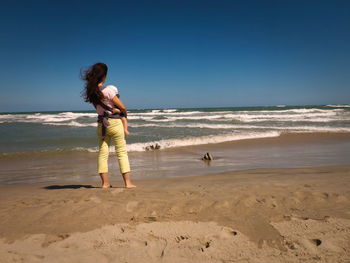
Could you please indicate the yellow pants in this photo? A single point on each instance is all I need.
(115, 133)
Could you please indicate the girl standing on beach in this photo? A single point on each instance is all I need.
(110, 127)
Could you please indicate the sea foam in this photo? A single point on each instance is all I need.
(169, 127)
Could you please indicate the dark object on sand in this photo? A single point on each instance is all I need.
(69, 186)
(153, 147)
(207, 157)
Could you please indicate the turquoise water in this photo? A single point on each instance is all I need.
(24, 133)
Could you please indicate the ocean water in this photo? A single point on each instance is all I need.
(48, 132)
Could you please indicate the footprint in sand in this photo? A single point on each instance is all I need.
(178, 239)
(49, 239)
(150, 218)
(311, 244)
(316, 241)
(206, 245)
(226, 233)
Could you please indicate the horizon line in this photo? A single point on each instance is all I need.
(183, 108)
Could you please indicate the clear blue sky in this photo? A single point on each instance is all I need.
(176, 53)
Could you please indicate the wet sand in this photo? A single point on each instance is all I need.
(256, 215)
(285, 151)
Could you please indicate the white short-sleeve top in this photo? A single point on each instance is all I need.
(109, 92)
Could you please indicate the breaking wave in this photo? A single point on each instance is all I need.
(169, 127)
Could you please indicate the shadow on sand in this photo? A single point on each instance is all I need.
(68, 186)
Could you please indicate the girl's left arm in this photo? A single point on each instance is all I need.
(117, 102)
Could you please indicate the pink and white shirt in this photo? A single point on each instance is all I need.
(109, 92)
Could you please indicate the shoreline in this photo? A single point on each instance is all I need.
(283, 137)
(272, 215)
(289, 137)
(285, 151)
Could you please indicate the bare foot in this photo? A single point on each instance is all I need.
(106, 186)
(126, 132)
(130, 186)
(127, 181)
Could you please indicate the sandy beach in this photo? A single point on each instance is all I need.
(138, 93)
(258, 215)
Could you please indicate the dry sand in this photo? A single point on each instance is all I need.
(263, 215)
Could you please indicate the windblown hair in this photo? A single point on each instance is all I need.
(93, 76)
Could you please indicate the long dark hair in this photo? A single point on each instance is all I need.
(93, 76)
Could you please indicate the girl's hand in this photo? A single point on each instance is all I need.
(115, 110)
